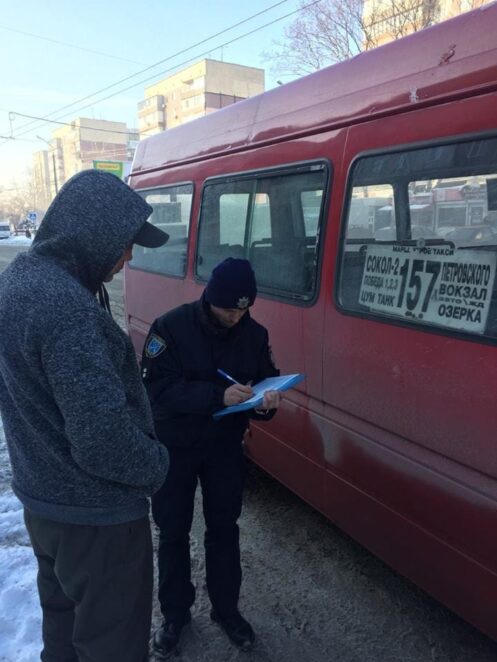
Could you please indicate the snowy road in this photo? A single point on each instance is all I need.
(311, 592)
(20, 616)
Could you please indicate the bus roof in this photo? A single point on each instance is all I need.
(451, 59)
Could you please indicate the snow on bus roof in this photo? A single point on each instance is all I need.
(412, 71)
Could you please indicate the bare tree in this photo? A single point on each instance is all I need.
(330, 31)
(36, 193)
(323, 33)
(18, 197)
(392, 19)
(14, 205)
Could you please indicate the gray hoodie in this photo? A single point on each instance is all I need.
(77, 420)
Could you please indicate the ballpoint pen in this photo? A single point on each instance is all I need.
(226, 376)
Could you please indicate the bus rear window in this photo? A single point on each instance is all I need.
(271, 218)
(172, 208)
(420, 237)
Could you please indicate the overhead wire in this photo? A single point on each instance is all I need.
(67, 45)
(35, 117)
(156, 64)
(25, 140)
(195, 57)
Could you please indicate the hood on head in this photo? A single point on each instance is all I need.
(91, 221)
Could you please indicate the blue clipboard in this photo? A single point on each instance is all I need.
(281, 383)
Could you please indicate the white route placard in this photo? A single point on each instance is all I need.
(438, 285)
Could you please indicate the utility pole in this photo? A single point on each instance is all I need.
(53, 164)
(54, 173)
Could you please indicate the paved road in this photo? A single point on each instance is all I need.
(313, 594)
(8, 252)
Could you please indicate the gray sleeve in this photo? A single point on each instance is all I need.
(88, 390)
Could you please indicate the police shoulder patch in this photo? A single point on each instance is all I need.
(155, 345)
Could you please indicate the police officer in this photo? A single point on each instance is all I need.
(183, 353)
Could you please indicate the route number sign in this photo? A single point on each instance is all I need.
(433, 284)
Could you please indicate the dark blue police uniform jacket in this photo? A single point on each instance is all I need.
(183, 351)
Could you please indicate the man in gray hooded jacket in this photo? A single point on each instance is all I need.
(78, 426)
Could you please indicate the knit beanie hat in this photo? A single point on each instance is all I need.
(232, 284)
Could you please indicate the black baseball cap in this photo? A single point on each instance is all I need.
(150, 236)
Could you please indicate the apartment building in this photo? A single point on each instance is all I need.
(195, 91)
(42, 176)
(87, 140)
(75, 147)
(386, 20)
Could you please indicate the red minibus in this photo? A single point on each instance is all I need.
(365, 196)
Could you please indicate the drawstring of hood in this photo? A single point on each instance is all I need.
(103, 298)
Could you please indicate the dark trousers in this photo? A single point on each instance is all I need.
(95, 588)
(220, 467)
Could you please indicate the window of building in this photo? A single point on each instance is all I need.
(172, 208)
(192, 101)
(420, 237)
(272, 219)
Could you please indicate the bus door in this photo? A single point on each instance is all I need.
(273, 218)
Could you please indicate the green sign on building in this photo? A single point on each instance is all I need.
(114, 167)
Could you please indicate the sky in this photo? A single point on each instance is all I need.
(55, 53)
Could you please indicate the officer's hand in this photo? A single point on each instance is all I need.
(271, 400)
(236, 394)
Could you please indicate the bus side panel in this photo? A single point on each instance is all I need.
(409, 449)
(391, 435)
(447, 573)
(290, 448)
(295, 330)
(415, 532)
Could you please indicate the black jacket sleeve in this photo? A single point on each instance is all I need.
(168, 390)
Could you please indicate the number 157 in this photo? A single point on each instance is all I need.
(415, 284)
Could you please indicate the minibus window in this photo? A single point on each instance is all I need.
(172, 208)
(372, 212)
(273, 220)
(311, 207)
(420, 237)
(232, 213)
(261, 217)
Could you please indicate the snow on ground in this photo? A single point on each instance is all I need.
(20, 614)
(16, 239)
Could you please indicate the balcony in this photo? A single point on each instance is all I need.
(151, 105)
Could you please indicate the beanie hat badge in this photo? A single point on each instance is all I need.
(232, 285)
(242, 303)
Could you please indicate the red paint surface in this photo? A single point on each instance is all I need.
(392, 435)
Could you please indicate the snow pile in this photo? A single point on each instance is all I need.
(16, 239)
(20, 613)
